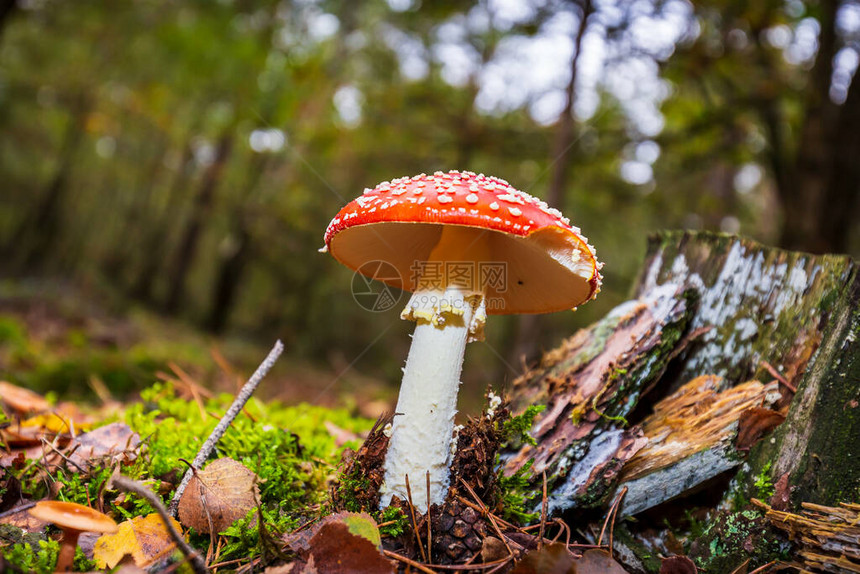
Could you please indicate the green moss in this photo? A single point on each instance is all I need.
(39, 558)
(733, 538)
(764, 483)
(397, 519)
(518, 494)
(288, 448)
(515, 430)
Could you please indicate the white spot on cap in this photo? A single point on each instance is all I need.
(510, 198)
(472, 198)
(494, 206)
(515, 211)
(445, 199)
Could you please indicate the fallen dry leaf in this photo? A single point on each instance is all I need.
(116, 440)
(597, 561)
(23, 520)
(358, 523)
(22, 400)
(224, 491)
(678, 565)
(145, 538)
(335, 549)
(551, 559)
(753, 424)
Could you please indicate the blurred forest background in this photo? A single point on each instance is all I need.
(185, 156)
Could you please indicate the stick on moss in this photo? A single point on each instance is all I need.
(238, 404)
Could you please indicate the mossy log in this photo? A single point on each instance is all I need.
(713, 305)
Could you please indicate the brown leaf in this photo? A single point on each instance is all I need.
(597, 561)
(358, 523)
(116, 440)
(145, 538)
(22, 400)
(224, 491)
(336, 550)
(753, 424)
(551, 559)
(678, 565)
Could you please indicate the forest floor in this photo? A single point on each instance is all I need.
(64, 341)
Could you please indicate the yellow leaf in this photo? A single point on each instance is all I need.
(144, 537)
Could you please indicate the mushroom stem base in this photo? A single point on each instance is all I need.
(422, 429)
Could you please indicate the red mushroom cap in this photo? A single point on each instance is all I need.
(549, 265)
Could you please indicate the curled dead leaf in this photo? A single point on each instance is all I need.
(218, 495)
(754, 423)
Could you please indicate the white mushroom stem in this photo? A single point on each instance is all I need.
(423, 425)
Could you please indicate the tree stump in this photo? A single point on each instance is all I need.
(757, 322)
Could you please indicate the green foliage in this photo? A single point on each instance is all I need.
(764, 482)
(397, 518)
(288, 447)
(256, 534)
(518, 494)
(350, 487)
(515, 430)
(26, 558)
(82, 563)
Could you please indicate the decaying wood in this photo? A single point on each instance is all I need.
(825, 539)
(725, 307)
(690, 439)
(588, 387)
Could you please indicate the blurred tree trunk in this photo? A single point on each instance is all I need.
(236, 253)
(527, 339)
(200, 209)
(156, 243)
(7, 8)
(36, 236)
(819, 192)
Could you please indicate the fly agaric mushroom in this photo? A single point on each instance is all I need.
(523, 256)
(72, 519)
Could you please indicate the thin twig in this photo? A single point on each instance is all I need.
(192, 555)
(489, 515)
(226, 421)
(763, 566)
(429, 524)
(610, 519)
(17, 509)
(507, 524)
(409, 561)
(414, 522)
(778, 376)
(462, 567)
(543, 511)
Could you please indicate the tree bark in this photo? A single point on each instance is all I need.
(234, 260)
(716, 306)
(156, 243)
(819, 192)
(7, 9)
(38, 233)
(200, 210)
